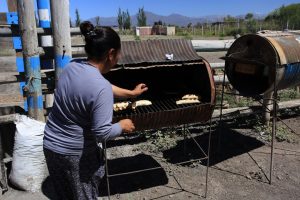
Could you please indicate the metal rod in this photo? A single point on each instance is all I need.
(208, 154)
(136, 171)
(190, 161)
(181, 188)
(198, 145)
(31, 58)
(261, 169)
(184, 139)
(221, 110)
(106, 170)
(274, 126)
(61, 34)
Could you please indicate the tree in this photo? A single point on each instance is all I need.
(120, 19)
(285, 17)
(126, 20)
(97, 21)
(159, 22)
(141, 17)
(78, 21)
(250, 23)
(229, 19)
(198, 25)
(71, 25)
(249, 16)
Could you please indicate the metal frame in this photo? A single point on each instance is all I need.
(274, 124)
(186, 132)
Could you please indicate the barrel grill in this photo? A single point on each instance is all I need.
(256, 64)
(168, 79)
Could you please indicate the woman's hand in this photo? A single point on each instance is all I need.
(127, 125)
(124, 93)
(139, 89)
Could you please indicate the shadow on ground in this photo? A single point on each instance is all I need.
(133, 182)
(225, 143)
(125, 183)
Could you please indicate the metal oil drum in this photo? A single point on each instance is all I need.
(259, 63)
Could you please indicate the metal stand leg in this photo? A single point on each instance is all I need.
(274, 127)
(184, 139)
(208, 154)
(221, 115)
(185, 131)
(106, 170)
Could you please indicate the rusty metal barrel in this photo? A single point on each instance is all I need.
(258, 63)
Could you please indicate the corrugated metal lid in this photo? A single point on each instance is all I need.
(149, 52)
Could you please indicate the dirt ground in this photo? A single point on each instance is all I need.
(239, 166)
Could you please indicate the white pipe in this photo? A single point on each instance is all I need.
(212, 45)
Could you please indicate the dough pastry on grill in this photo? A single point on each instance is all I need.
(186, 101)
(141, 103)
(190, 96)
(121, 106)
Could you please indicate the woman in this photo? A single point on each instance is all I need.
(82, 116)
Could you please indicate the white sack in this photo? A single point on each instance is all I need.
(29, 167)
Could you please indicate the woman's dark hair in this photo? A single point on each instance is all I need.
(99, 40)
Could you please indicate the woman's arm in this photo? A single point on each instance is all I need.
(124, 93)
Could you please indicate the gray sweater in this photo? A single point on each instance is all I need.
(82, 111)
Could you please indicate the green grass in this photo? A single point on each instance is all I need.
(282, 132)
(283, 95)
(288, 94)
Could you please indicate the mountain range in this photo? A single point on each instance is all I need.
(173, 19)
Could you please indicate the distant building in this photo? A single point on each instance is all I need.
(155, 30)
(143, 30)
(170, 30)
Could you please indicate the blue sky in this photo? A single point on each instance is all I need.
(191, 8)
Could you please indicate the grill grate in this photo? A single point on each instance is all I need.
(164, 113)
(157, 106)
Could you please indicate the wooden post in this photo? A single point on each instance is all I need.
(297, 88)
(267, 105)
(61, 34)
(12, 5)
(31, 58)
(44, 21)
(46, 41)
